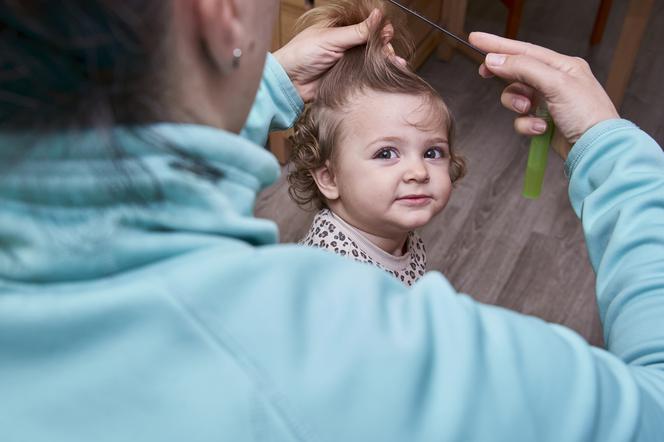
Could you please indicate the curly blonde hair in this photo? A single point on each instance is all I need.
(361, 68)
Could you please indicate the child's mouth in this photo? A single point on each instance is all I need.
(415, 200)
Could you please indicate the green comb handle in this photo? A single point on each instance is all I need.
(537, 157)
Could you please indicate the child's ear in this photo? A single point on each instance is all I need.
(326, 182)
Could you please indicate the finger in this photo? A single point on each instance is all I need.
(516, 103)
(521, 89)
(389, 51)
(530, 125)
(387, 33)
(500, 45)
(346, 37)
(518, 97)
(400, 61)
(525, 69)
(485, 72)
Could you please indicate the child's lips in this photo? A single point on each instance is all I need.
(415, 200)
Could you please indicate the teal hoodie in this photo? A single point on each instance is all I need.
(151, 305)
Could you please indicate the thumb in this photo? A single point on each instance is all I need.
(347, 37)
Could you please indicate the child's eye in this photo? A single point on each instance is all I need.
(435, 153)
(386, 153)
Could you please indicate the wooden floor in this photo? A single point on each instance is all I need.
(490, 242)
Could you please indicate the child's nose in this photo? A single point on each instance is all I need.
(416, 170)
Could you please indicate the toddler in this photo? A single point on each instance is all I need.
(373, 152)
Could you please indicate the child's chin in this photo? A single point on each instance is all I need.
(416, 221)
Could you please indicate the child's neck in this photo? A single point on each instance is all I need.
(394, 245)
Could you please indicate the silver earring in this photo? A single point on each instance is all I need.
(237, 55)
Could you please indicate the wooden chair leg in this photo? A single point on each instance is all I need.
(453, 16)
(514, 18)
(624, 56)
(600, 22)
(279, 146)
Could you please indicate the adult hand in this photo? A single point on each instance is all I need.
(575, 99)
(316, 49)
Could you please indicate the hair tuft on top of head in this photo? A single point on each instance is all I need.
(364, 66)
(351, 12)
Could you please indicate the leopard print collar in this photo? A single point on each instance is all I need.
(330, 232)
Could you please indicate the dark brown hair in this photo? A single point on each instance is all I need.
(363, 68)
(80, 63)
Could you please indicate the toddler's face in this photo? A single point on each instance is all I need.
(392, 167)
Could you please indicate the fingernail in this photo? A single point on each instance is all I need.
(539, 127)
(495, 59)
(485, 73)
(520, 104)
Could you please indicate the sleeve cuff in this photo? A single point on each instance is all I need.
(288, 100)
(588, 140)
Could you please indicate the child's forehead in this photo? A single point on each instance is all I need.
(423, 110)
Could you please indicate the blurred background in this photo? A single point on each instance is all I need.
(490, 242)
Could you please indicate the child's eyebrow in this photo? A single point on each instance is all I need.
(438, 140)
(394, 139)
(385, 139)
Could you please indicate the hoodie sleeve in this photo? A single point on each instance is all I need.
(617, 189)
(277, 104)
(342, 351)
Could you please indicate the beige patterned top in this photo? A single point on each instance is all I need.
(330, 232)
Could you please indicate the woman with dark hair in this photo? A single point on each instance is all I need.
(141, 300)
